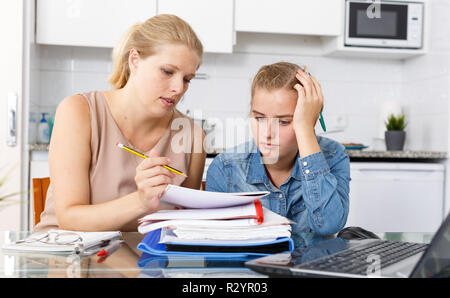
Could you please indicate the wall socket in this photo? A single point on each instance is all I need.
(338, 121)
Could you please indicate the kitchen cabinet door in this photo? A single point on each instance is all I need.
(212, 21)
(98, 23)
(396, 197)
(305, 17)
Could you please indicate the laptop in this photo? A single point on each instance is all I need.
(362, 258)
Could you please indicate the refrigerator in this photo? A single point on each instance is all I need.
(15, 29)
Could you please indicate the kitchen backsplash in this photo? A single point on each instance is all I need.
(354, 89)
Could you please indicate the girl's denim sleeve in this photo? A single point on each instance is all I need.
(215, 177)
(326, 191)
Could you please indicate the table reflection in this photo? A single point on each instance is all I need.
(128, 261)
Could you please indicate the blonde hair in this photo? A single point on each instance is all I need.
(145, 38)
(275, 76)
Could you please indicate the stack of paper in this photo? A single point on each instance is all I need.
(212, 220)
(250, 221)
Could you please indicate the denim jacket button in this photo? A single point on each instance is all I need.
(305, 163)
(307, 172)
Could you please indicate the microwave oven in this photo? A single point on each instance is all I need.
(384, 24)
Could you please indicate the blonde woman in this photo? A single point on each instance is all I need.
(95, 186)
(307, 176)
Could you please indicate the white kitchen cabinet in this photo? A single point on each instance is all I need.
(305, 17)
(98, 23)
(212, 21)
(39, 167)
(396, 197)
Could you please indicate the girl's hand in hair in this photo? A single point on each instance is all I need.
(306, 114)
(309, 102)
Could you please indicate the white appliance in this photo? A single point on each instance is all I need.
(396, 197)
(384, 24)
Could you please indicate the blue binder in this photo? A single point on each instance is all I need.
(150, 244)
(157, 262)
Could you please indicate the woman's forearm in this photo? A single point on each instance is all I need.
(109, 216)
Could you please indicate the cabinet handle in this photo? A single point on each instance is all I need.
(11, 139)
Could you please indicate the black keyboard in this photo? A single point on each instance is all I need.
(358, 259)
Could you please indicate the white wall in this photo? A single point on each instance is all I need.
(426, 83)
(427, 86)
(354, 89)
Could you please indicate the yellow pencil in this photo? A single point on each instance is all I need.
(145, 156)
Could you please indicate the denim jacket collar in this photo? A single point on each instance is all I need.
(256, 172)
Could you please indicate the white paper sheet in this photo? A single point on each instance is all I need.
(192, 198)
(146, 227)
(242, 211)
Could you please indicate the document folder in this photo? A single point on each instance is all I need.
(150, 244)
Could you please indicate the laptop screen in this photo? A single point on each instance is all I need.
(435, 262)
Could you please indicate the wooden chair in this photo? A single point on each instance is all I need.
(40, 187)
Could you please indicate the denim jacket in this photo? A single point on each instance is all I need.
(315, 196)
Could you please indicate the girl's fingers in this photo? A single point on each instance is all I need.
(315, 90)
(308, 83)
(300, 90)
(318, 89)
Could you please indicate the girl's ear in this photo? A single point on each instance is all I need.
(133, 60)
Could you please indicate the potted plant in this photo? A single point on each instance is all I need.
(395, 134)
(5, 199)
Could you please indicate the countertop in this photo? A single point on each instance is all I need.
(353, 154)
(397, 155)
(388, 155)
(38, 147)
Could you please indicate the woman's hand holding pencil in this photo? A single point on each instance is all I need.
(152, 177)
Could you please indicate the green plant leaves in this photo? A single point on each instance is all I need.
(396, 123)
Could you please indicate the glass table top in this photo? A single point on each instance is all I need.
(128, 261)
